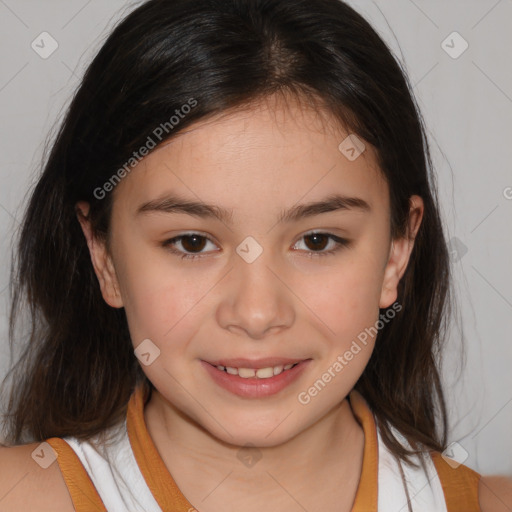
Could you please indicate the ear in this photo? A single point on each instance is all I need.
(400, 253)
(101, 259)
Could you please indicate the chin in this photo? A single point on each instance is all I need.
(263, 436)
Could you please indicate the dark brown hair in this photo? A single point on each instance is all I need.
(77, 368)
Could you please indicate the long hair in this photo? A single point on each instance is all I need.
(77, 368)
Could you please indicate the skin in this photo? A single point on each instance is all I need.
(257, 162)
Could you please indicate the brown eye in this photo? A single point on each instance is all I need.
(192, 243)
(192, 246)
(318, 241)
(322, 244)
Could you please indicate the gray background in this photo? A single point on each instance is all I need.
(467, 105)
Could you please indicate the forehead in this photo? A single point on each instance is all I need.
(273, 153)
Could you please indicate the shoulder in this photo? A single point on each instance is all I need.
(30, 479)
(495, 493)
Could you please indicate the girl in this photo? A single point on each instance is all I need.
(237, 277)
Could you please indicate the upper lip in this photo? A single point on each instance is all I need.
(264, 362)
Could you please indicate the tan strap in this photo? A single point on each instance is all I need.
(460, 485)
(366, 497)
(81, 489)
(155, 473)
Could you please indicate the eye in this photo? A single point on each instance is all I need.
(194, 243)
(319, 240)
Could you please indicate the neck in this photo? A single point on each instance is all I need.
(330, 450)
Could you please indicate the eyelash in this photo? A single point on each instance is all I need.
(340, 244)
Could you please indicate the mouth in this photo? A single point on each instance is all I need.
(255, 378)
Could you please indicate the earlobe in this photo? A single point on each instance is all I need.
(100, 258)
(400, 253)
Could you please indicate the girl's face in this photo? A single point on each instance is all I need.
(250, 286)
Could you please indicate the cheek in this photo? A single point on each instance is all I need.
(158, 298)
(346, 298)
(162, 309)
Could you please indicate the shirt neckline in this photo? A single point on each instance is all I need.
(168, 495)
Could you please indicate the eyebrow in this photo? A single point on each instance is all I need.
(176, 204)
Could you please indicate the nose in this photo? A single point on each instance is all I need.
(256, 300)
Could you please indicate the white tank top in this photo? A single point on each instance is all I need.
(119, 482)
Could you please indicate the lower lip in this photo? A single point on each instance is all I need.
(255, 387)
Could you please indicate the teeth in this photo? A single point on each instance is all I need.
(246, 373)
(264, 373)
(278, 369)
(260, 373)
